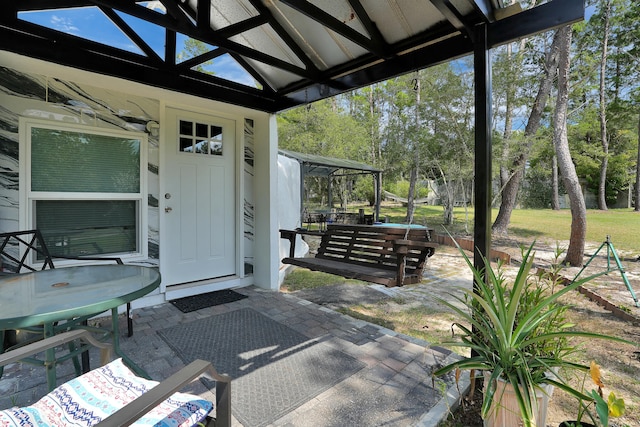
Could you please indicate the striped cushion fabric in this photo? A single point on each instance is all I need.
(86, 400)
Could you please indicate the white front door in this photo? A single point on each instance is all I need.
(199, 238)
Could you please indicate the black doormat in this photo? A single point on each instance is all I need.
(273, 368)
(196, 302)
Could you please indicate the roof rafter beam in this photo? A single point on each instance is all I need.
(448, 49)
(369, 25)
(550, 15)
(547, 16)
(203, 14)
(454, 17)
(75, 44)
(285, 36)
(266, 87)
(170, 41)
(175, 12)
(485, 8)
(197, 60)
(197, 84)
(129, 32)
(185, 26)
(333, 74)
(242, 26)
(315, 13)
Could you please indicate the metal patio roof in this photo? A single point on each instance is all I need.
(314, 165)
(297, 51)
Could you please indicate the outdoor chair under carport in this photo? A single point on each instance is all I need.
(112, 395)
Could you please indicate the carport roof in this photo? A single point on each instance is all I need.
(295, 51)
(315, 165)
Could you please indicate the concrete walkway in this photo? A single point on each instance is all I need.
(394, 389)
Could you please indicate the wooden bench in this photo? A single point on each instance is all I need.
(391, 256)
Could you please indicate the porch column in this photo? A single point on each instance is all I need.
(302, 200)
(378, 188)
(482, 180)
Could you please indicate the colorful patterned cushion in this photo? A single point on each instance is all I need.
(86, 400)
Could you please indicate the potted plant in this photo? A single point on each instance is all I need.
(519, 337)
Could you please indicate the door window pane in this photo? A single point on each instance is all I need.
(186, 144)
(186, 128)
(207, 138)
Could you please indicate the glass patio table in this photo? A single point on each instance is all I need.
(63, 298)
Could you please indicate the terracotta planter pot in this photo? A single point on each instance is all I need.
(505, 411)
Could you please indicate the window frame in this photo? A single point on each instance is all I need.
(28, 198)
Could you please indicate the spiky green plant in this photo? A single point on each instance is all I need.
(518, 333)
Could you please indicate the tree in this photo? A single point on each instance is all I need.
(575, 251)
(602, 200)
(603, 102)
(637, 195)
(516, 172)
(404, 133)
(447, 116)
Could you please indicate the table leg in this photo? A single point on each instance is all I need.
(115, 330)
(86, 365)
(50, 358)
(3, 335)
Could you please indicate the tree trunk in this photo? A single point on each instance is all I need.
(505, 172)
(510, 190)
(575, 251)
(555, 196)
(602, 186)
(447, 199)
(637, 202)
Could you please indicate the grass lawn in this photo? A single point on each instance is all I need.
(527, 225)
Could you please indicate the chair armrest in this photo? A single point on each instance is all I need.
(54, 341)
(152, 398)
(402, 246)
(291, 236)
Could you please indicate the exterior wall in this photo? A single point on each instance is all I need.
(36, 96)
(249, 202)
(67, 95)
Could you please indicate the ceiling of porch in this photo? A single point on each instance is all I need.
(283, 52)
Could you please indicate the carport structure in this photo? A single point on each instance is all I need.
(312, 165)
(296, 51)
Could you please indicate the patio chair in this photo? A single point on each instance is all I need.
(17, 249)
(113, 396)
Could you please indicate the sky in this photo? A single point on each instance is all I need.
(90, 23)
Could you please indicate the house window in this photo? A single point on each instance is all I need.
(200, 138)
(85, 189)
